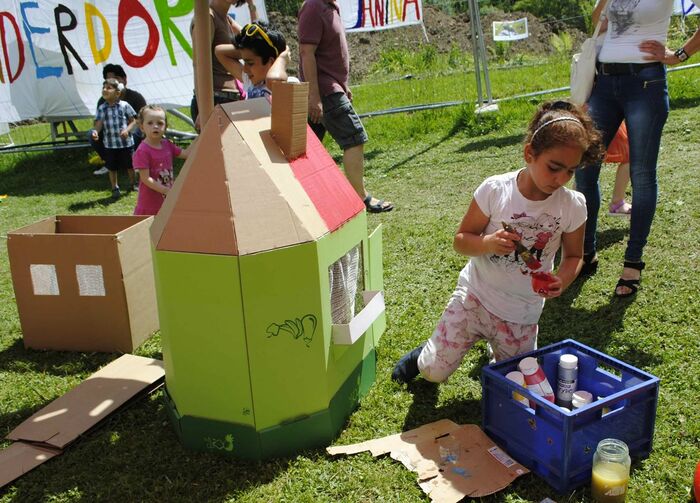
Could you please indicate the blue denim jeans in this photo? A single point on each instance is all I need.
(641, 99)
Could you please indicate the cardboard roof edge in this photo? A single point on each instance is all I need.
(237, 194)
(70, 225)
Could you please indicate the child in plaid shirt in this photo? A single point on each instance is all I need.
(117, 119)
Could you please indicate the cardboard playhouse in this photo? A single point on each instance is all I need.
(84, 283)
(269, 286)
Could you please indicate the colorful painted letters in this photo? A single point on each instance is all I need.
(69, 20)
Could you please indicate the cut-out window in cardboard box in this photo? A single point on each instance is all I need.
(345, 283)
(44, 280)
(353, 310)
(91, 281)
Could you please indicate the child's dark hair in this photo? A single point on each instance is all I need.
(559, 123)
(151, 108)
(117, 70)
(263, 41)
(114, 84)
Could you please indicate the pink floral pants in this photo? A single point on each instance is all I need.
(463, 323)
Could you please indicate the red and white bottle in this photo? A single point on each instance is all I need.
(535, 379)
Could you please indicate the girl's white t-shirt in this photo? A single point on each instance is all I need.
(629, 23)
(502, 283)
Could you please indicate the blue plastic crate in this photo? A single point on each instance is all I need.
(559, 445)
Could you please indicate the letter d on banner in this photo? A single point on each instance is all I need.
(5, 47)
(99, 55)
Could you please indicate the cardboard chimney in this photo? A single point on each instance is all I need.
(289, 112)
(269, 287)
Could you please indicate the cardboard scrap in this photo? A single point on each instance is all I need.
(19, 458)
(452, 461)
(47, 432)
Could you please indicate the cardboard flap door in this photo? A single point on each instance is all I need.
(374, 276)
(347, 334)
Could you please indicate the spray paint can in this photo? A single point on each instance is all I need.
(536, 380)
(566, 379)
(518, 378)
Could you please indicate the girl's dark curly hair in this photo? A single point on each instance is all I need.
(563, 123)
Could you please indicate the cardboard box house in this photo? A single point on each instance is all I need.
(260, 262)
(84, 283)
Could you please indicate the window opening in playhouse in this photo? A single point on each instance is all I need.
(91, 281)
(44, 279)
(346, 285)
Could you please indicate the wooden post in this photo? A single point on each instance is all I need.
(204, 78)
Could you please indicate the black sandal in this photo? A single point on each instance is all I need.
(632, 284)
(590, 264)
(379, 207)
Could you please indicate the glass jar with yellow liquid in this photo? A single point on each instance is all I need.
(611, 471)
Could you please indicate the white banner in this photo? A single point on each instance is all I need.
(685, 8)
(682, 7)
(52, 53)
(370, 15)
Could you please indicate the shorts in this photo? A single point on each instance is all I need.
(220, 99)
(341, 121)
(116, 158)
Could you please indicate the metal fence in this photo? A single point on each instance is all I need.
(454, 79)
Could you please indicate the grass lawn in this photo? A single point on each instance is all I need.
(429, 163)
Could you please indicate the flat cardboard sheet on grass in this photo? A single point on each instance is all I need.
(479, 467)
(50, 430)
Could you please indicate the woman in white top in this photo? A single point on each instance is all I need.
(631, 86)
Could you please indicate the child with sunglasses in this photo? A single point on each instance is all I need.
(513, 228)
(257, 56)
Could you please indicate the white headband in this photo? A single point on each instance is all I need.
(552, 121)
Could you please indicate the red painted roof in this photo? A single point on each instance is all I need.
(333, 196)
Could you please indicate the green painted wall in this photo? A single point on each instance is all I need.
(203, 335)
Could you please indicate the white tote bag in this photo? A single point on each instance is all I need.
(583, 66)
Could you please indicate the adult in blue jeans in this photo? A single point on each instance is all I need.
(631, 86)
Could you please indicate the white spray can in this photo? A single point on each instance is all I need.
(567, 379)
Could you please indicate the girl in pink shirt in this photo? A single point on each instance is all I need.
(153, 160)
